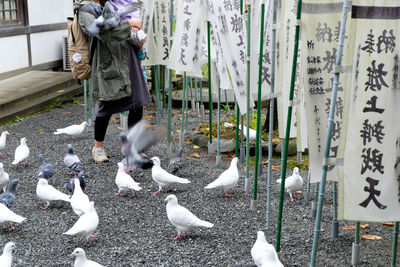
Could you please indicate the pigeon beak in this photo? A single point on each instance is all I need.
(71, 255)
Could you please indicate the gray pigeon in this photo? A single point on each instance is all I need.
(72, 161)
(45, 170)
(70, 186)
(110, 17)
(176, 162)
(8, 197)
(139, 138)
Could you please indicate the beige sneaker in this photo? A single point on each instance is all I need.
(99, 155)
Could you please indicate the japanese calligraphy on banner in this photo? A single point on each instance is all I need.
(255, 48)
(228, 27)
(147, 26)
(372, 150)
(285, 50)
(162, 30)
(320, 35)
(187, 46)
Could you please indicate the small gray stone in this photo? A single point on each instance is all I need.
(292, 149)
(226, 146)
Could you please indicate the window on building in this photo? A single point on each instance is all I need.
(11, 12)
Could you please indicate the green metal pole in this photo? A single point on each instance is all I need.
(258, 135)
(163, 90)
(246, 185)
(191, 94)
(156, 76)
(210, 103)
(197, 109)
(186, 103)
(201, 100)
(288, 123)
(335, 222)
(218, 158)
(357, 233)
(394, 248)
(238, 116)
(237, 130)
(171, 25)
(183, 110)
(85, 99)
(317, 228)
(271, 116)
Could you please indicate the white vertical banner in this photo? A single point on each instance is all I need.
(320, 35)
(162, 30)
(371, 184)
(150, 45)
(187, 46)
(285, 50)
(255, 48)
(228, 27)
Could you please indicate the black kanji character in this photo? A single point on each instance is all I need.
(266, 75)
(368, 131)
(337, 32)
(375, 77)
(237, 23)
(333, 155)
(324, 33)
(241, 40)
(186, 10)
(372, 193)
(228, 5)
(336, 128)
(236, 4)
(330, 60)
(310, 44)
(373, 107)
(369, 48)
(166, 53)
(388, 41)
(372, 160)
(185, 39)
(187, 25)
(182, 57)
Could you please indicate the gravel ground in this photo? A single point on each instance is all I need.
(136, 232)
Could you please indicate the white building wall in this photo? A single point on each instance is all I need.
(13, 53)
(49, 11)
(47, 46)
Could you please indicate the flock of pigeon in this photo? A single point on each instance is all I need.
(134, 142)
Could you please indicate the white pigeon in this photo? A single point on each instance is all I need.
(7, 256)
(293, 183)
(252, 132)
(228, 179)
(263, 253)
(79, 201)
(162, 177)
(81, 260)
(86, 225)
(3, 141)
(73, 130)
(21, 152)
(7, 215)
(48, 193)
(124, 181)
(182, 218)
(4, 177)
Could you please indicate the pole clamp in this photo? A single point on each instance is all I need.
(333, 161)
(297, 23)
(274, 95)
(342, 69)
(294, 102)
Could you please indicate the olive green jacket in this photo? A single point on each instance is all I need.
(110, 72)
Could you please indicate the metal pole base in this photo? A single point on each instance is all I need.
(202, 112)
(355, 254)
(253, 204)
(313, 209)
(162, 113)
(299, 154)
(169, 149)
(242, 154)
(197, 108)
(218, 161)
(193, 104)
(260, 168)
(246, 185)
(335, 229)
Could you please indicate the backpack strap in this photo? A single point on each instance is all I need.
(93, 46)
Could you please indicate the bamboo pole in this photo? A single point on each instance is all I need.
(394, 247)
(201, 101)
(288, 123)
(218, 158)
(183, 111)
(210, 103)
(169, 137)
(258, 128)
(271, 116)
(346, 6)
(156, 77)
(355, 255)
(186, 104)
(163, 91)
(335, 222)
(85, 100)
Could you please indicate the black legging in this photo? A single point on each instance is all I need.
(101, 123)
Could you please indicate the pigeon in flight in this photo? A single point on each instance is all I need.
(4, 177)
(139, 138)
(228, 179)
(86, 225)
(72, 130)
(81, 260)
(162, 177)
(293, 183)
(72, 161)
(125, 182)
(45, 170)
(176, 162)
(8, 197)
(7, 256)
(3, 142)
(263, 253)
(182, 218)
(48, 193)
(110, 17)
(21, 152)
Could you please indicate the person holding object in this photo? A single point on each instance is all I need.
(111, 75)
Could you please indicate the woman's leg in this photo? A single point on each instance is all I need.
(135, 115)
(100, 129)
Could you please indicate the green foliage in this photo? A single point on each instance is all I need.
(226, 108)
